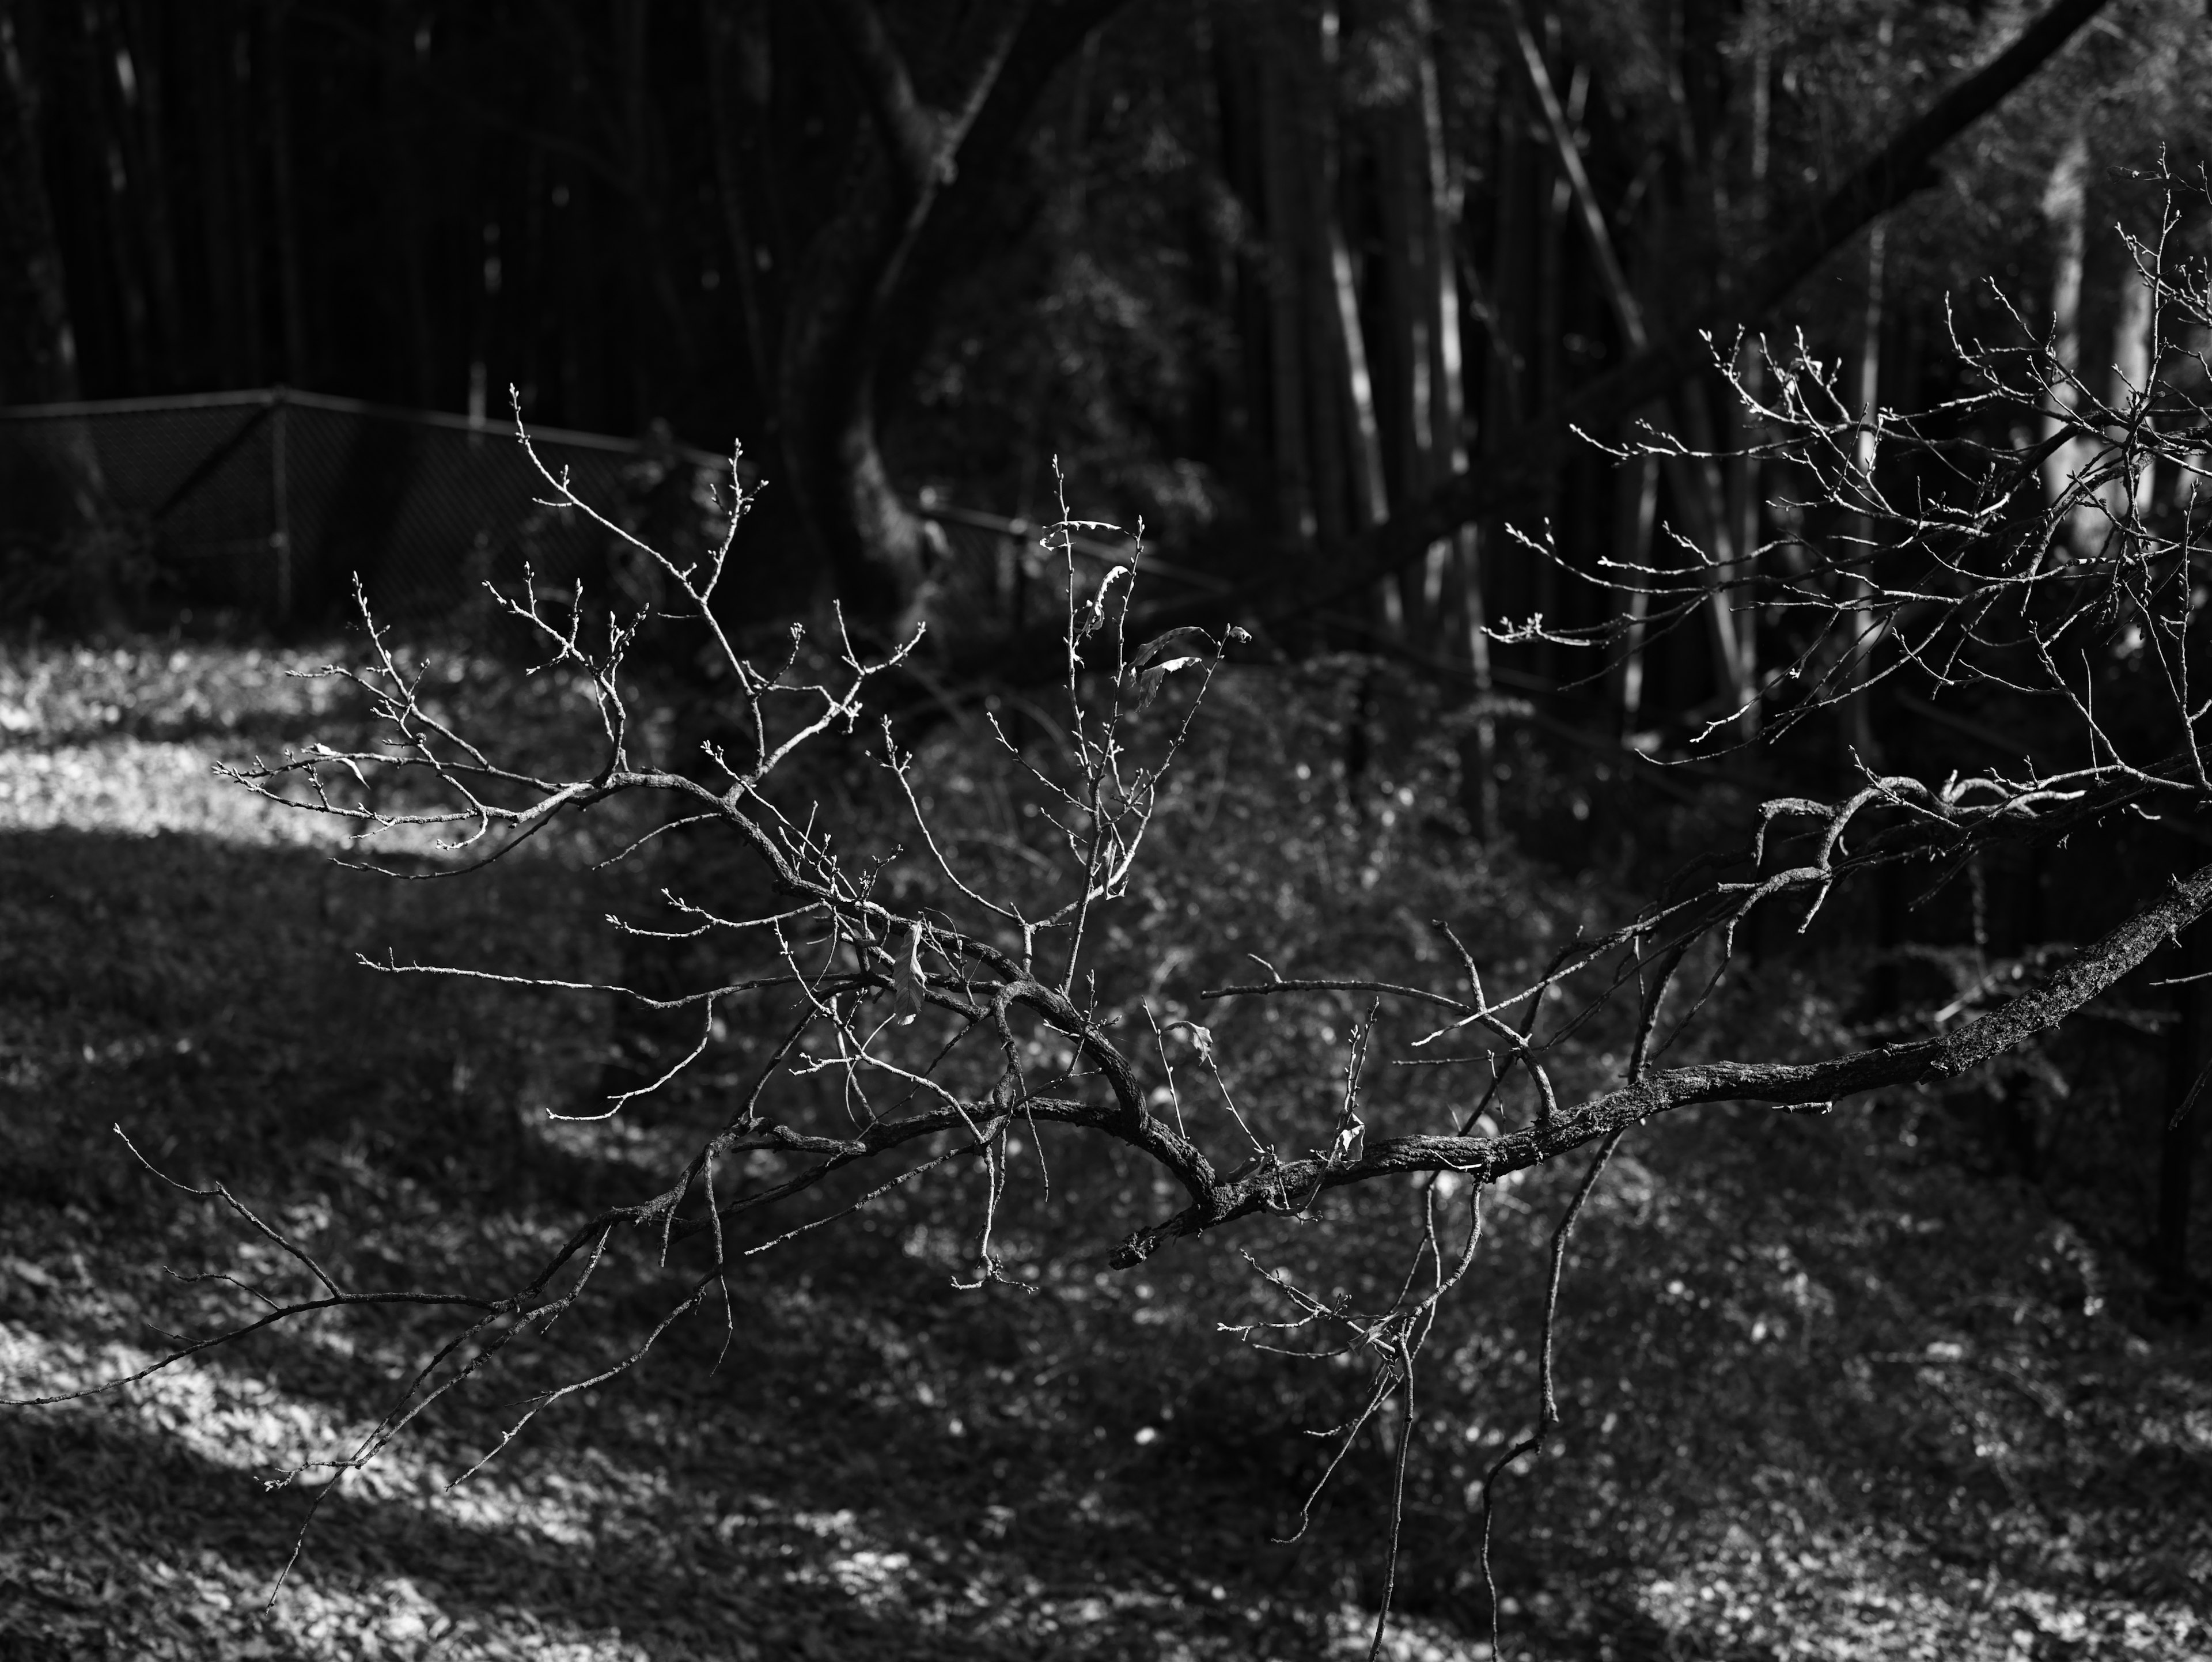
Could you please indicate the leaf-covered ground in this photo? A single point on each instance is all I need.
(1826, 1394)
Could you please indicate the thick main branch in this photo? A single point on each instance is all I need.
(1295, 1185)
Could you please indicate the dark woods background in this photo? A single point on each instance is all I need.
(1262, 274)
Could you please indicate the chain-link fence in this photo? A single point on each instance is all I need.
(271, 501)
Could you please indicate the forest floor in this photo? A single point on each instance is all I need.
(879, 1467)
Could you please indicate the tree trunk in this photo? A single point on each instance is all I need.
(1331, 452)
(245, 57)
(1701, 498)
(651, 270)
(95, 102)
(2065, 207)
(871, 540)
(1407, 296)
(1637, 511)
(1446, 452)
(1861, 638)
(138, 55)
(1548, 324)
(738, 68)
(1368, 495)
(1064, 213)
(1505, 402)
(1746, 497)
(403, 202)
(2135, 322)
(205, 54)
(1279, 196)
(65, 506)
(1696, 483)
(38, 350)
(1517, 470)
(860, 267)
(275, 83)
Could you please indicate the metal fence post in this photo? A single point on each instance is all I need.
(280, 501)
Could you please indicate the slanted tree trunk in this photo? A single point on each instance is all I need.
(63, 504)
(38, 350)
(134, 45)
(91, 97)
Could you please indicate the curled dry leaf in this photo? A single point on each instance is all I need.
(1094, 619)
(1183, 646)
(906, 985)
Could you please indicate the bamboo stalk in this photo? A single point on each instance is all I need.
(1694, 482)
(1367, 494)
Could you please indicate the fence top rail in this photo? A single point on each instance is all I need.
(228, 399)
(241, 398)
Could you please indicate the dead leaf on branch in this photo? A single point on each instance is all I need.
(907, 986)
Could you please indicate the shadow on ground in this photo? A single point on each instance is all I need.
(1959, 1448)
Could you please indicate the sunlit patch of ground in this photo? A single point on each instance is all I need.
(1826, 1597)
(664, 1521)
(178, 961)
(879, 1467)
